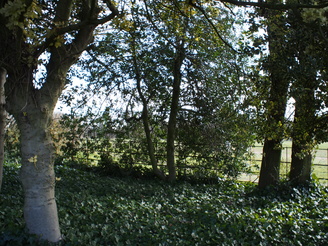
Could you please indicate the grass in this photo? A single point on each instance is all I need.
(102, 210)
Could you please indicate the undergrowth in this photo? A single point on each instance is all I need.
(103, 210)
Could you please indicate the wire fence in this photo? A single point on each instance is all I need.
(319, 166)
(131, 150)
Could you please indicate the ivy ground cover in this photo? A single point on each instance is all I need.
(102, 210)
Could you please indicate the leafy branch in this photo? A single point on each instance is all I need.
(277, 6)
(200, 9)
(56, 32)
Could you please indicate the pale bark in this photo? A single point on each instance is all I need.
(3, 74)
(32, 108)
(38, 176)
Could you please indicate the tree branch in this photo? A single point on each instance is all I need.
(74, 27)
(277, 6)
(200, 9)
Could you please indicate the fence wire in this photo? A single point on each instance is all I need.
(253, 160)
(319, 164)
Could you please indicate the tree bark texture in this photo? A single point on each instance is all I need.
(3, 74)
(276, 105)
(305, 119)
(171, 131)
(33, 110)
(301, 167)
(270, 166)
(32, 107)
(38, 176)
(303, 133)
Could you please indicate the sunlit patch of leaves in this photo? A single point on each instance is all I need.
(98, 210)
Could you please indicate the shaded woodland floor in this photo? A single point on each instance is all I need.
(100, 210)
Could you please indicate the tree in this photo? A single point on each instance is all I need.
(278, 69)
(175, 27)
(174, 108)
(309, 75)
(296, 70)
(173, 67)
(31, 30)
(145, 110)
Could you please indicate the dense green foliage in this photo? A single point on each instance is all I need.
(102, 210)
(183, 69)
(159, 72)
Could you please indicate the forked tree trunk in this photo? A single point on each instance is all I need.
(145, 115)
(71, 31)
(3, 74)
(37, 173)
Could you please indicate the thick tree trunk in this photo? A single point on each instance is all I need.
(3, 74)
(270, 167)
(305, 119)
(37, 175)
(276, 106)
(303, 136)
(170, 148)
(300, 172)
(32, 106)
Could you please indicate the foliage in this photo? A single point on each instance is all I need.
(131, 67)
(115, 211)
(62, 135)
(12, 141)
(206, 152)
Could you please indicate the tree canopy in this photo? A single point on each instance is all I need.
(191, 74)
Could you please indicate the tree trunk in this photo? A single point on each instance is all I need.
(170, 148)
(150, 145)
(270, 167)
(65, 37)
(303, 135)
(305, 119)
(38, 177)
(300, 172)
(276, 106)
(145, 115)
(3, 74)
